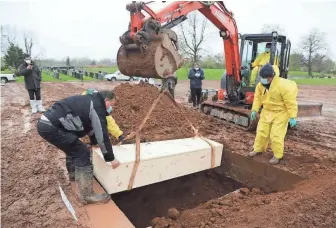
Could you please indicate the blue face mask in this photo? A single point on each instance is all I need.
(268, 49)
(264, 81)
(109, 110)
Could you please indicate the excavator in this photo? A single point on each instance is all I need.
(149, 48)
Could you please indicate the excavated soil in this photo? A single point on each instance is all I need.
(166, 122)
(142, 204)
(310, 204)
(32, 170)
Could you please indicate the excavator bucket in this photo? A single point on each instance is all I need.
(157, 59)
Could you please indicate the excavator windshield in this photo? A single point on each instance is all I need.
(254, 55)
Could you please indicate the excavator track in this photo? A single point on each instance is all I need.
(240, 116)
(236, 114)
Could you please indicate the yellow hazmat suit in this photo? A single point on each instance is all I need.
(261, 60)
(112, 127)
(279, 105)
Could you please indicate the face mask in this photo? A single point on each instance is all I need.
(28, 61)
(196, 68)
(267, 49)
(109, 110)
(264, 81)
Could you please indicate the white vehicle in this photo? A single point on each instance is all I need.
(150, 81)
(117, 76)
(6, 78)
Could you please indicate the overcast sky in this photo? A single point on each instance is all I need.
(79, 28)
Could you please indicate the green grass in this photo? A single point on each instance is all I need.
(64, 78)
(315, 81)
(45, 78)
(67, 78)
(102, 69)
(216, 74)
(210, 74)
(89, 79)
(6, 71)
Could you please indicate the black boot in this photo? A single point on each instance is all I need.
(84, 177)
(70, 166)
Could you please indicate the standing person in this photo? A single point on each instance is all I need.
(196, 75)
(278, 98)
(73, 118)
(32, 78)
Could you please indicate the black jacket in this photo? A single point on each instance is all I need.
(196, 77)
(83, 115)
(32, 77)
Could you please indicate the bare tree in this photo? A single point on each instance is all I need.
(8, 36)
(192, 37)
(268, 28)
(28, 42)
(311, 45)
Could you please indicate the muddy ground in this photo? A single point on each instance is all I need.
(32, 170)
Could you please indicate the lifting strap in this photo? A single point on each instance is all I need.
(137, 135)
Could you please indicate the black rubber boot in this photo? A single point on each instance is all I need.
(70, 166)
(84, 177)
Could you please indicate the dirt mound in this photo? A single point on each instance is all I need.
(133, 103)
(311, 204)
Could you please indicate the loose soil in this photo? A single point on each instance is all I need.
(141, 205)
(310, 204)
(32, 170)
(166, 122)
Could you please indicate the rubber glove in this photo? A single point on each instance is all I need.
(253, 115)
(292, 122)
(121, 138)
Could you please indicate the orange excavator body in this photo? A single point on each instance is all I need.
(150, 49)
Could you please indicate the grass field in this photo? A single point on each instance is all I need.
(182, 74)
(210, 74)
(316, 81)
(7, 71)
(63, 78)
(102, 69)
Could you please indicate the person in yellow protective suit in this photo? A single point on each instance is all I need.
(278, 98)
(261, 60)
(112, 127)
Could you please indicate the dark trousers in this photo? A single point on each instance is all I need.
(76, 151)
(34, 93)
(169, 84)
(196, 94)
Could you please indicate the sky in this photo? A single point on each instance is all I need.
(79, 28)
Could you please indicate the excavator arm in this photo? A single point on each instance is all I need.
(150, 48)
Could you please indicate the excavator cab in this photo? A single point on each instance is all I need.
(252, 45)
